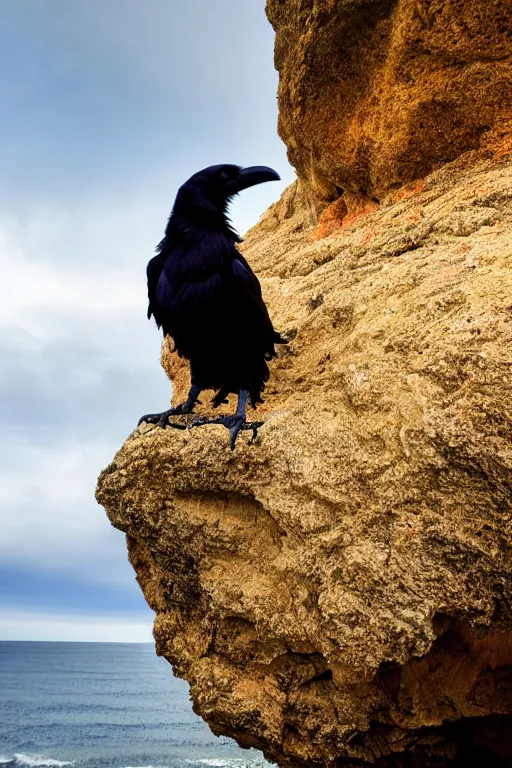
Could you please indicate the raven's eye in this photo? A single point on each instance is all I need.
(225, 175)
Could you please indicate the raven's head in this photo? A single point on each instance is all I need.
(204, 198)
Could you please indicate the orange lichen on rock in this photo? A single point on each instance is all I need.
(331, 219)
(499, 142)
(357, 210)
(377, 93)
(343, 213)
(408, 190)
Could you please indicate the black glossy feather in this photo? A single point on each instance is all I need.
(153, 272)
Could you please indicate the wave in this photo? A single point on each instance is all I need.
(230, 762)
(38, 761)
(6, 760)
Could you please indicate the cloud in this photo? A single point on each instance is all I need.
(80, 366)
(19, 625)
(108, 109)
(51, 521)
(105, 100)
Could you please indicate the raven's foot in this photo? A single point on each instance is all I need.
(162, 419)
(235, 424)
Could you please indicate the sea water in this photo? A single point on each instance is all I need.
(102, 705)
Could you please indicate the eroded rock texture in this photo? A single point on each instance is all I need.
(376, 93)
(339, 592)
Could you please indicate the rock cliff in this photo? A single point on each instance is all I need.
(339, 591)
(376, 93)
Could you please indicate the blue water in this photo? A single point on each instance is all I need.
(102, 705)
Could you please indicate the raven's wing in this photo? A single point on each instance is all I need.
(252, 290)
(243, 272)
(153, 272)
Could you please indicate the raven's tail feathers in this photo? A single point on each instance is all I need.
(221, 396)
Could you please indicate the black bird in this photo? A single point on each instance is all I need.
(203, 293)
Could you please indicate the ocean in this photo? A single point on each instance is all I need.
(102, 705)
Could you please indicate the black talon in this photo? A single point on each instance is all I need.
(236, 423)
(162, 419)
(254, 425)
(159, 419)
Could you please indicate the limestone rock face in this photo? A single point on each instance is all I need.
(339, 592)
(376, 93)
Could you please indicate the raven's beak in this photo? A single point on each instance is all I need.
(248, 177)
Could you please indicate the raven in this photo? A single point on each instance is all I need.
(203, 293)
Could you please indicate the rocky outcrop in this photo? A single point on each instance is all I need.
(339, 592)
(377, 93)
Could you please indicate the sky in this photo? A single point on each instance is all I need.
(107, 107)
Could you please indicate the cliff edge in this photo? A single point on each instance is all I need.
(339, 591)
